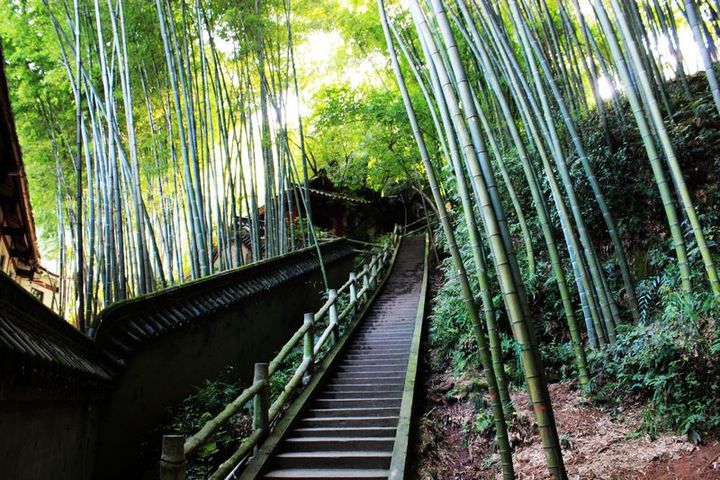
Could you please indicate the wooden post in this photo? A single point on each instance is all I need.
(366, 284)
(374, 270)
(333, 314)
(172, 458)
(353, 293)
(309, 346)
(261, 401)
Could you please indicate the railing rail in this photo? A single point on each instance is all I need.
(176, 448)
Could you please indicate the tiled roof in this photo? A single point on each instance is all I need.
(127, 326)
(338, 196)
(40, 349)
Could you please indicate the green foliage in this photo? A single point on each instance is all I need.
(43, 101)
(361, 136)
(205, 403)
(196, 409)
(623, 171)
(483, 422)
(286, 371)
(40, 97)
(668, 361)
(450, 330)
(559, 361)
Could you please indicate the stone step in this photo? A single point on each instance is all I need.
(376, 355)
(387, 327)
(345, 432)
(362, 395)
(333, 459)
(387, 343)
(378, 335)
(371, 370)
(337, 386)
(371, 362)
(339, 444)
(353, 412)
(362, 352)
(357, 403)
(327, 473)
(378, 350)
(352, 422)
(373, 378)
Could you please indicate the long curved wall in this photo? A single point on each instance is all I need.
(165, 344)
(53, 384)
(71, 408)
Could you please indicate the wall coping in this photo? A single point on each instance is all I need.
(127, 326)
(39, 349)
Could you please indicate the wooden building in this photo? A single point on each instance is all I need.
(19, 254)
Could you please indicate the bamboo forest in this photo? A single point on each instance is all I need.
(360, 239)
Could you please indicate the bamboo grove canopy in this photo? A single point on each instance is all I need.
(186, 146)
(183, 146)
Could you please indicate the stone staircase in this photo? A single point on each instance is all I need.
(348, 429)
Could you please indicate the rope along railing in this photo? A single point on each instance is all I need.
(353, 294)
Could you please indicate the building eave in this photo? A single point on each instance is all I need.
(12, 173)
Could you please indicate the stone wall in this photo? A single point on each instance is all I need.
(194, 339)
(53, 382)
(71, 408)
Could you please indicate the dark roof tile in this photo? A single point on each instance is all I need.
(127, 326)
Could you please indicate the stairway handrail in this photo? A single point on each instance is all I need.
(176, 448)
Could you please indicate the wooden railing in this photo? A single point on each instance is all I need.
(356, 291)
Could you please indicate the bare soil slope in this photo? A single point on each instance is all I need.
(597, 444)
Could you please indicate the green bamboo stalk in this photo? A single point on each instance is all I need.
(670, 157)
(500, 426)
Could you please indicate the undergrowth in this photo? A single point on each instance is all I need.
(669, 361)
(196, 409)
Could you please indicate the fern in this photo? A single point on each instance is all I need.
(648, 295)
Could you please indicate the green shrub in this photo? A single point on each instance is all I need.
(559, 361)
(669, 362)
(450, 331)
(196, 409)
(483, 423)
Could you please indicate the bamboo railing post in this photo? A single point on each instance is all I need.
(308, 346)
(353, 293)
(366, 285)
(172, 459)
(333, 314)
(261, 401)
(172, 462)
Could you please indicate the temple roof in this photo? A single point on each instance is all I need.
(18, 223)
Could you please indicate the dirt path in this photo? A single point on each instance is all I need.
(596, 445)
